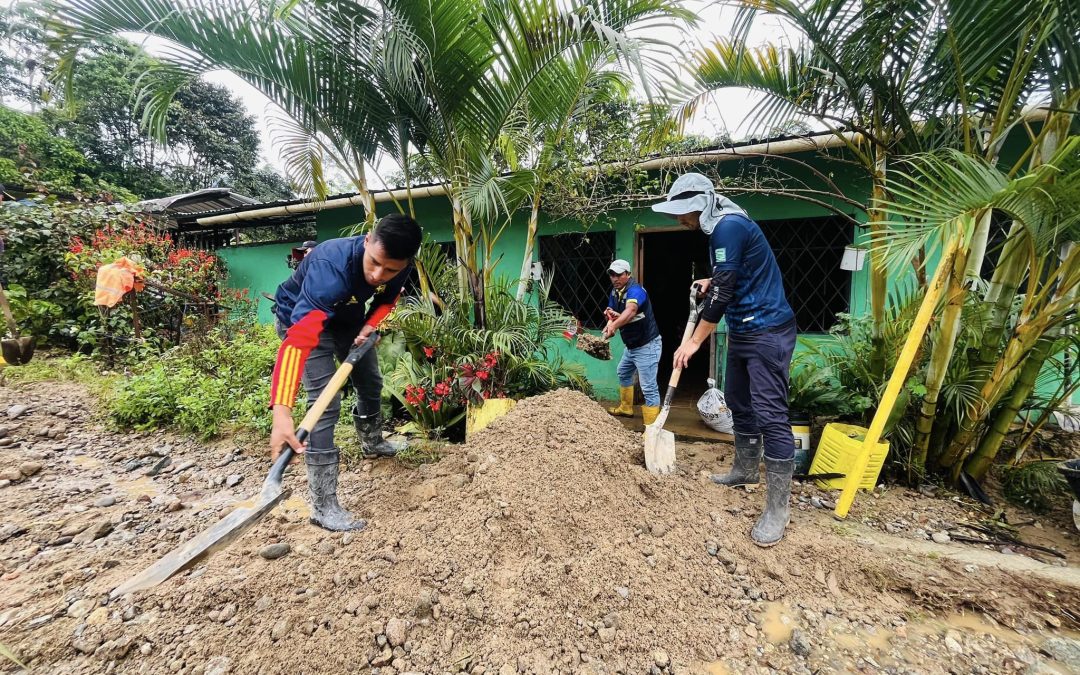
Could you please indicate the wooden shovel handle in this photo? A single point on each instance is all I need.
(319, 406)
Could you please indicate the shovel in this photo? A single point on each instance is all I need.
(660, 444)
(15, 350)
(232, 526)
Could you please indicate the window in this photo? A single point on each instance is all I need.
(808, 251)
(578, 265)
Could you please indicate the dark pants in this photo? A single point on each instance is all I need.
(757, 388)
(321, 364)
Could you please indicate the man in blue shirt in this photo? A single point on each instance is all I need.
(630, 312)
(747, 290)
(322, 311)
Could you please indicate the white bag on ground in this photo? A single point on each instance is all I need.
(714, 411)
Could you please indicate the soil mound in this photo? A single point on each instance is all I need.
(542, 545)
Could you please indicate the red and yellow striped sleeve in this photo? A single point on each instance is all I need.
(381, 312)
(299, 340)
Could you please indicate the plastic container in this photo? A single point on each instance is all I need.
(800, 429)
(836, 452)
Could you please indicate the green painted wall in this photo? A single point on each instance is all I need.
(262, 268)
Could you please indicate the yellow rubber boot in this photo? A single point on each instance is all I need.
(649, 413)
(626, 403)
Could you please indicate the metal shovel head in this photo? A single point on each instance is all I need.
(17, 351)
(224, 532)
(659, 450)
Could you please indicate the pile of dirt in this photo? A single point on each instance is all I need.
(542, 545)
(598, 348)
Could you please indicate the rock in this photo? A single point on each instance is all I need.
(233, 480)
(104, 502)
(81, 608)
(16, 410)
(799, 644)
(219, 665)
(751, 630)
(227, 612)
(475, 607)
(370, 601)
(348, 538)
(325, 547)
(425, 601)
(308, 628)
(952, 642)
(13, 475)
(88, 642)
(711, 548)
(11, 530)
(660, 658)
(175, 504)
(280, 629)
(606, 634)
(28, 469)
(941, 537)
(1065, 650)
(159, 465)
(263, 603)
(623, 592)
(383, 658)
(114, 650)
(397, 631)
(93, 532)
(658, 530)
(275, 551)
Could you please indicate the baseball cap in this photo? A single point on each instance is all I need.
(619, 267)
(309, 244)
(690, 192)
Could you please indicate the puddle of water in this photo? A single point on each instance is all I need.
(86, 462)
(861, 640)
(717, 668)
(298, 504)
(777, 624)
(138, 487)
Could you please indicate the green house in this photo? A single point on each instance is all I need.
(808, 239)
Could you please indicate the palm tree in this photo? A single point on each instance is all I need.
(909, 77)
(446, 77)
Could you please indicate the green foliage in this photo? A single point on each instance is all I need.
(205, 387)
(513, 352)
(1037, 485)
(68, 368)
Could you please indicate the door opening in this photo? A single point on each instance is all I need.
(668, 262)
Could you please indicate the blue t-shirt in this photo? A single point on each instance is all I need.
(642, 329)
(738, 244)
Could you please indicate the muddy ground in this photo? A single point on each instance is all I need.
(540, 546)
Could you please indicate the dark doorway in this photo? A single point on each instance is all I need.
(669, 261)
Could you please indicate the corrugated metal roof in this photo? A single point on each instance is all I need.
(208, 199)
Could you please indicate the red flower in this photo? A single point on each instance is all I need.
(482, 374)
(442, 389)
(429, 352)
(484, 395)
(435, 405)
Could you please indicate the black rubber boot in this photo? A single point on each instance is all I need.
(369, 428)
(745, 468)
(769, 529)
(326, 512)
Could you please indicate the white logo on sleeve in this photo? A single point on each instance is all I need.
(720, 255)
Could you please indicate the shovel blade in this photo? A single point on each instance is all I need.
(659, 450)
(221, 534)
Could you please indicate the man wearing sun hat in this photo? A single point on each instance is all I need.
(747, 289)
(629, 311)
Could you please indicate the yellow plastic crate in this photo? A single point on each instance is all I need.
(478, 417)
(839, 446)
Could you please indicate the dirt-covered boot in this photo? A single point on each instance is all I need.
(326, 512)
(369, 428)
(769, 529)
(745, 468)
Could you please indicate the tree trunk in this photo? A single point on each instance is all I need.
(983, 457)
(940, 356)
(530, 241)
(878, 278)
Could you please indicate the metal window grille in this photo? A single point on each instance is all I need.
(578, 264)
(808, 251)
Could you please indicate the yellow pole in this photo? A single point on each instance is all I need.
(897, 379)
